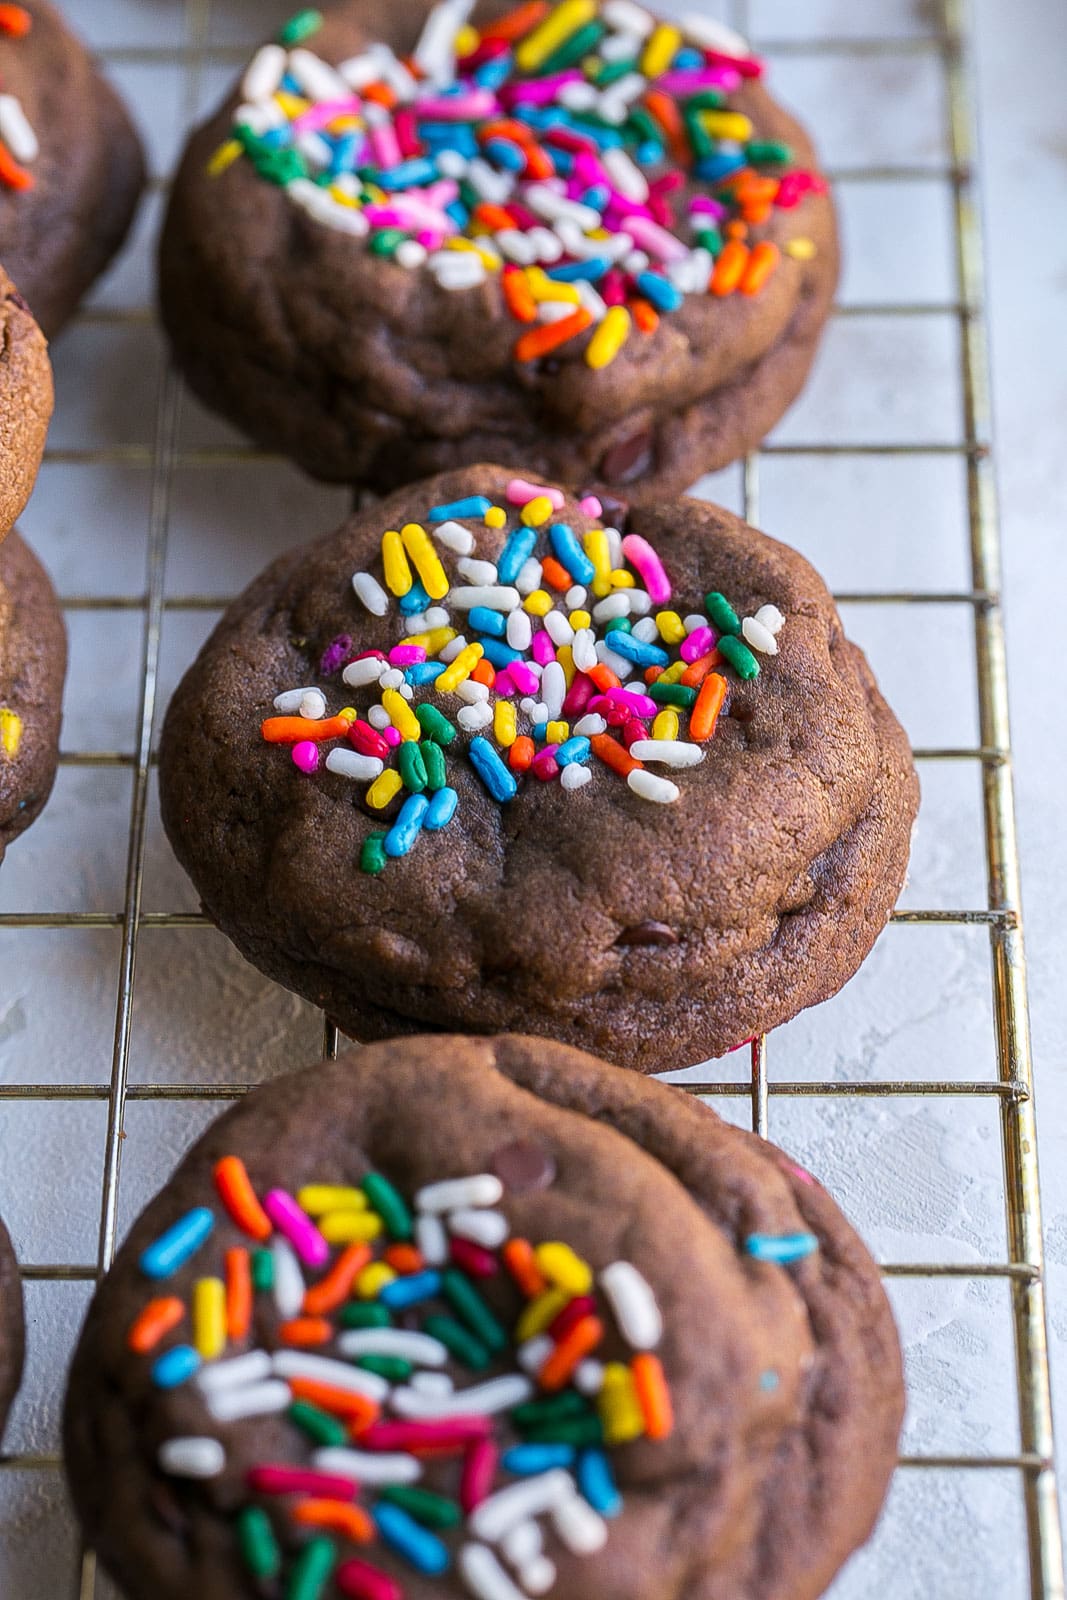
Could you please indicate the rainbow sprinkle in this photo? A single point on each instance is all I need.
(18, 142)
(583, 155)
(565, 655)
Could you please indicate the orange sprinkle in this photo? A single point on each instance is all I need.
(521, 1262)
(494, 217)
(645, 315)
(652, 673)
(513, 24)
(381, 94)
(351, 1522)
(355, 1409)
(329, 1292)
(506, 128)
(485, 673)
(665, 112)
(291, 730)
(577, 1343)
(653, 1395)
(556, 574)
(736, 230)
(521, 754)
(614, 755)
(404, 1258)
(157, 1319)
(604, 678)
(306, 1332)
(709, 703)
(730, 268)
(237, 1194)
(761, 263)
(697, 670)
(539, 342)
(238, 1293)
(11, 174)
(15, 20)
(538, 162)
(756, 211)
(520, 301)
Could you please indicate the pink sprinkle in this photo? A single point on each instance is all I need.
(367, 740)
(306, 755)
(543, 649)
(613, 293)
(792, 189)
(391, 736)
(385, 217)
(747, 66)
(359, 1581)
(319, 115)
(707, 207)
(407, 655)
(588, 170)
(638, 705)
(591, 506)
(473, 1259)
(416, 1436)
(406, 133)
(384, 144)
(479, 1470)
(544, 764)
(801, 1173)
(504, 684)
(460, 107)
(301, 1480)
(641, 556)
(621, 208)
(687, 82)
(578, 695)
(520, 493)
(297, 1226)
(523, 677)
(697, 644)
(536, 91)
(655, 239)
(429, 239)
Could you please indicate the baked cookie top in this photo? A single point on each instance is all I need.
(33, 661)
(25, 399)
(412, 1325)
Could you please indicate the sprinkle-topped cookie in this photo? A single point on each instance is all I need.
(586, 156)
(19, 148)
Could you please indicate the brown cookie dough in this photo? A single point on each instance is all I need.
(68, 213)
(33, 663)
(25, 401)
(12, 1332)
(749, 1304)
(367, 371)
(658, 934)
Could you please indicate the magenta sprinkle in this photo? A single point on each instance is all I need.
(504, 684)
(300, 1480)
(391, 736)
(697, 644)
(291, 1220)
(335, 654)
(407, 655)
(523, 677)
(306, 755)
(538, 91)
(479, 1470)
(543, 649)
(638, 705)
(457, 1431)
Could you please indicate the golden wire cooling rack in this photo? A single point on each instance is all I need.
(1011, 1089)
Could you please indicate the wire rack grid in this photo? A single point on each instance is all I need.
(1011, 1089)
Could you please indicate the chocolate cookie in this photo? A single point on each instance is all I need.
(12, 1332)
(365, 1344)
(502, 850)
(576, 241)
(25, 401)
(71, 166)
(33, 663)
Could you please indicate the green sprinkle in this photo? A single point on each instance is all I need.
(723, 616)
(472, 1309)
(385, 242)
(573, 49)
(699, 138)
(458, 1342)
(739, 656)
(259, 1547)
(318, 1425)
(644, 126)
(300, 27)
(311, 1570)
(433, 760)
(551, 1409)
(372, 853)
(262, 1271)
(619, 625)
(395, 1368)
(710, 239)
(365, 1314)
(672, 694)
(435, 725)
(411, 766)
(468, 194)
(612, 71)
(432, 1510)
(389, 1205)
(583, 1432)
(768, 153)
(705, 100)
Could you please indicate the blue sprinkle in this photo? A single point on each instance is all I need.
(441, 810)
(475, 505)
(492, 771)
(497, 653)
(405, 830)
(175, 1366)
(504, 153)
(539, 732)
(635, 650)
(768, 1381)
(345, 152)
(648, 153)
(458, 212)
(687, 60)
(520, 546)
(563, 161)
(573, 751)
(182, 1240)
(662, 293)
(274, 138)
(592, 268)
(720, 165)
(290, 83)
(781, 1248)
(527, 1460)
(449, 136)
(570, 554)
(411, 1290)
(482, 620)
(597, 1482)
(597, 196)
(409, 1539)
(415, 600)
(407, 174)
(492, 74)
(423, 672)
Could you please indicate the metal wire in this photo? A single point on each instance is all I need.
(1011, 1091)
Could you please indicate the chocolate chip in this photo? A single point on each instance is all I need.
(629, 459)
(647, 933)
(524, 1166)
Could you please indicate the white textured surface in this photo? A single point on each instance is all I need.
(920, 1178)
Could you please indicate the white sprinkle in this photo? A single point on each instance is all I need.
(672, 752)
(532, 1355)
(321, 205)
(370, 591)
(298, 1364)
(359, 70)
(584, 649)
(519, 248)
(405, 691)
(529, 577)
(453, 1194)
(487, 1228)
(713, 35)
(288, 1279)
(589, 1377)
(435, 617)
(410, 254)
(607, 657)
(260, 119)
(627, 17)
(472, 719)
(523, 1543)
(632, 1300)
(350, 764)
(313, 705)
(288, 703)
(538, 1576)
(455, 536)
(581, 1529)
(612, 605)
(546, 203)
(393, 71)
(391, 678)
(431, 1239)
(519, 630)
(619, 47)
(489, 184)
(627, 178)
(477, 571)
(192, 1458)
(484, 1576)
(646, 630)
(432, 1382)
(759, 637)
(496, 596)
(251, 1368)
(526, 705)
(364, 1466)
(316, 77)
(379, 718)
(649, 787)
(495, 1516)
(615, 102)
(558, 628)
(449, 651)
(640, 604)
(614, 546)
(472, 692)
(15, 130)
(435, 52)
(590, 297)
(450, 164)
(575, 777)
(314, 148)
(691, 273)
(578, 96)
(553, 689)
(547, 244)
(771, 618)
(694, 621)
(417, 1347)
(480, 1399)
(591, 723)
(578, 244)
(554, 310)
(249, 1400)
(457, 269)
(265, 72)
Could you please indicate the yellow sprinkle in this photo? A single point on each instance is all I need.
(538, 604)
(433, 641)
(800, 249)
(618, 1405)
(672, 673)
(557, 732)
(539, 1313)
(665, 724)
(563, 1267)
(343, 198)
(458, 242)
(504, 723)
(209, 1317)
(466, 40)
(621, 579)
(397, 569)
(542, 287)
(663, 45)
(671, 627)
(401, 715)
(376, 196)
(350, 1227)
(224, 157)
(291, 104)
(611, 334)
(727, 124)
(349, 713)
(385, 786)
(418, 545)
(456, 671)
(489, 259)
(565, 657)
(315, 1198)
(496, 517)
(595, 545)
(580, 619)
(536, 511)
(10, 732)
(555, 30)
(373, 1279)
